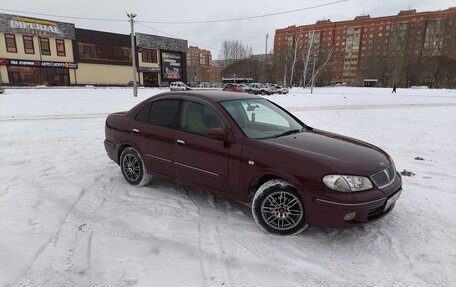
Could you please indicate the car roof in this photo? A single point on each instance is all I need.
(214, 96)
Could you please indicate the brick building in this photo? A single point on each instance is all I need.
(200, 67)
(369, 48)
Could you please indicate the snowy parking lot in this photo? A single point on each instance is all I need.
(68, 218)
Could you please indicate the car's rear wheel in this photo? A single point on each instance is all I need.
(132, 167)
(277, 208)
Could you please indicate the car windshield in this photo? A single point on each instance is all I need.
(260, 119)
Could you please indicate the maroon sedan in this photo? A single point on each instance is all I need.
(247, 148)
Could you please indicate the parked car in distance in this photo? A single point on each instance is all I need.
(178, 86)
(247, 148)
(256, 88)
(232, 87)
(243, 87)
(281, 90)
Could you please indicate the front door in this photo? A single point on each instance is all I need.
(200, 160)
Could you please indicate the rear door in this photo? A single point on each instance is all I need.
(154, 134)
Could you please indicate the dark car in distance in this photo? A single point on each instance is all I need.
(249, 149)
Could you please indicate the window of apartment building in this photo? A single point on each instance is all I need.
(380, 34)
(387, 27)
(28, 44)
(380, 28)
(60, 44)
(99, 51)
(10, 40)
(45, 47)
(372, 28)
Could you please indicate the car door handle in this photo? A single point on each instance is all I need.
(181, 142)
(136, 131)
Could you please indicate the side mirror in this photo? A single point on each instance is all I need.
(219, 134)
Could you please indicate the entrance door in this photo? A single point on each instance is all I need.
(15, 78)
(150, 79)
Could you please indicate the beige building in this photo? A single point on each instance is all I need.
(36, 52)
(43, 52)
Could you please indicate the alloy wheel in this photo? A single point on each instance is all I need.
(282, 210)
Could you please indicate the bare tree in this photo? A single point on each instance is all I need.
(233, 50)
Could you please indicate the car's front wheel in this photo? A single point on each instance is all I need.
(277, 208)
(133, 168)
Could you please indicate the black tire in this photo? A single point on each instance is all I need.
(286, 217)
(263, 93)
(132, 167)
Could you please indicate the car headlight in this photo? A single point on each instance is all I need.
(347, 183)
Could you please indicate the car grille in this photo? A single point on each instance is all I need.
(384, 177)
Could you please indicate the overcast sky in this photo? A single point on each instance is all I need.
(251, 32)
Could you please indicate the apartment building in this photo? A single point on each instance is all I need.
(368, 47)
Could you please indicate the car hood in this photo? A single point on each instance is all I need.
(338, 153)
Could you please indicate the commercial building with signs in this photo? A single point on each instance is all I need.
(36, 52)
(376, 49)
(42, 52)
(161, 59)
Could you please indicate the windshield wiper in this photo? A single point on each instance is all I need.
(288, 133)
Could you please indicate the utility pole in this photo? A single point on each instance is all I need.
(133, 52)
(313, 74)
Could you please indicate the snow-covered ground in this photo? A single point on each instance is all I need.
(67, 217)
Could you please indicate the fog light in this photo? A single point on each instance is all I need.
(349, 216)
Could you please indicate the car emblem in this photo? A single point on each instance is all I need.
(382, 163)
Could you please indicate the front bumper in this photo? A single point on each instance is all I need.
(325, 212)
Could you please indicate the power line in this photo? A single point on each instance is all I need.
(181, 22)
(174, 36)
(245, 18)
(68, 17)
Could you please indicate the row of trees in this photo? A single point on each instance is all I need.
(301, 67)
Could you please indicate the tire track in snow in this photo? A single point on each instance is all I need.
(212, 248)
(66, 258)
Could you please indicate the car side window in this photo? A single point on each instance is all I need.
(161, 113)
(143, 114)
(199, 119)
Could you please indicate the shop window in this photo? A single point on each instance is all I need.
(28, 44)
(60, 47)
(45, 47)
(149, 56)
(10, 40)
(87, 51)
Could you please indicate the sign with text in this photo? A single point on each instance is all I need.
(38, 64)
(33, 26)
(171, 64)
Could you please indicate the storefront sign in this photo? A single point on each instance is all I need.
(149, 70)
(171, 63)
(32, 26)
(39, 64)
